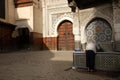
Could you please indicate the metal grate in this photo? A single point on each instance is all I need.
(104, 61)
(79, 60)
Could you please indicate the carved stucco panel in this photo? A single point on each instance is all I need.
(54, 14)
(57, 19)
(89, 14)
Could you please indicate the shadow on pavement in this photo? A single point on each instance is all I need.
(45, 65)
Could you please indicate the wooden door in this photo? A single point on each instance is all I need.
(65, 36)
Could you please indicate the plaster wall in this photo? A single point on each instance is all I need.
(24, 17)
(55, 2)
(37, 20)
(31, 17)
(9, 11)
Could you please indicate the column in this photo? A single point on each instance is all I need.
(76, 31)
(116, 22)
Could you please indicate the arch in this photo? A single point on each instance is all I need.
(63, 22)
(99, 18)
(100, 31)
(65, 39)
(23, 26)
(58, 23)
(23, 38)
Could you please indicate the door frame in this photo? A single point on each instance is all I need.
(58, 33)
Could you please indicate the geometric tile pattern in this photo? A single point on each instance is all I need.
(108, 62)
(99, 30)
(103, 61)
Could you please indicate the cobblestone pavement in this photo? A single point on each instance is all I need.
(45, 65)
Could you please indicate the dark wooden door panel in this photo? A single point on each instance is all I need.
(65, 38)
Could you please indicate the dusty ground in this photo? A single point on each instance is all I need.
(45, 65)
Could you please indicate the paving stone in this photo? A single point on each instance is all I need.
(45, 65)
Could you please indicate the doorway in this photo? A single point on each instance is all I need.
(65, 36)
(24, 38)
